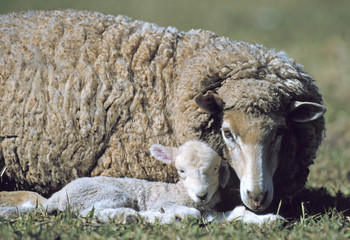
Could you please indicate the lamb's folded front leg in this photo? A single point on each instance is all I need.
(107, 210)
(169, 214)
(244, 215)
(120, 215)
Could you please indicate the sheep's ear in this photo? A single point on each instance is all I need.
(163, 153)
(209, 102)
(224, 174)
(306, 111)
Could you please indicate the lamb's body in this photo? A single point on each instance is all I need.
(122, 197)
(84, 94)
(134, 193)
(199, 168)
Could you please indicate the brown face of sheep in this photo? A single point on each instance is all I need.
(253, 144)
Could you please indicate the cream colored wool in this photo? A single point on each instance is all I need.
(86, 94)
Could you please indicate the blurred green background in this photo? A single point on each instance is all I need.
(314, 32)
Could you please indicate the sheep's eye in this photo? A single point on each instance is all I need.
(280, 131)
(227, 134)
(181, 171)
(215, 169)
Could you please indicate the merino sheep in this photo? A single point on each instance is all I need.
(83, 94)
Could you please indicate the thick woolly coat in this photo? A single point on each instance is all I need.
(86, 94)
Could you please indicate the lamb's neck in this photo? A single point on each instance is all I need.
(164, 194)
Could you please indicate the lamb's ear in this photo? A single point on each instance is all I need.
(306, 111)
(209, 102)
(163, 153)
(224, 174)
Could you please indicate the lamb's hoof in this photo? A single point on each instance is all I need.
(131, 219)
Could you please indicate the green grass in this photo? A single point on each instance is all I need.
(314, 32)
(66, 225)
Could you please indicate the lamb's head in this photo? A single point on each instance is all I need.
(254, 142)
(200, 168)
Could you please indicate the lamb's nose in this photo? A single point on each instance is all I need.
(202, 197)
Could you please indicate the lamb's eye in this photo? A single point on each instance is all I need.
(227, 134)
(181, 171)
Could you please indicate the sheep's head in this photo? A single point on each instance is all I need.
(253, 143)
(199, 167)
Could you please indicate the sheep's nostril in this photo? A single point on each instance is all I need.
(257, 199)
(202, 197)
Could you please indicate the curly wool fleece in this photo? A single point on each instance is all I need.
(86, 94)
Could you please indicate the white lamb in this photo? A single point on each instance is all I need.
(122, 199)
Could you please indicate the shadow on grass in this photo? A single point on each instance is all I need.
(312, 201)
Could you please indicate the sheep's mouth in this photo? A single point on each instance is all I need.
(257, 206)
(257, 209)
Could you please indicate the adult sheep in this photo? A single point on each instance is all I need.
(85, 94)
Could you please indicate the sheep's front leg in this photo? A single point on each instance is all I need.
(169, 214)
(244, 215)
